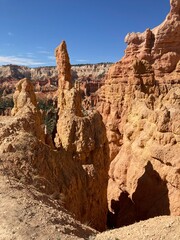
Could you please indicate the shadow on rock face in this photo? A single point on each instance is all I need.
(151, 196)
(149, 200)
(124, 212)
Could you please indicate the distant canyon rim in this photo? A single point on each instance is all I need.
(114, 156)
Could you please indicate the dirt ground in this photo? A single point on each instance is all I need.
(159, 228)
(28, 214)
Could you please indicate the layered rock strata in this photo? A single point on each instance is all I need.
(140, 105)
(45, 79)
(93, 72)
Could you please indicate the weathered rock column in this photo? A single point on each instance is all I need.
(82, 135)
(25, 105)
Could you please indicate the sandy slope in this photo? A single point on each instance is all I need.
(27, 214)
(159, 228)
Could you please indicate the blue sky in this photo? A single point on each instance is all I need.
(94, 30)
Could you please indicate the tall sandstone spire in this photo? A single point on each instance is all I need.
(63, 67)
(77, 169)
(82, 135)
(69, 99)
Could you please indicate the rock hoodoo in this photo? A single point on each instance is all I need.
(138, 131)
(159, 46)
(76, 172)
(82, 134)
(25, 105)
(24, 97)
(45, 79)
(140, 105)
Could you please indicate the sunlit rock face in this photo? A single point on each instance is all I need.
(25, 106)
(89, 78)
(140, 105)
(76, 171)
(82, 134)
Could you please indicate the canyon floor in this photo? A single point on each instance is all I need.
(27, 214)
(164, 228)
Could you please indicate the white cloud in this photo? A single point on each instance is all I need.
(19, 61)
(82, 60)
(43, 52)
(51, 57)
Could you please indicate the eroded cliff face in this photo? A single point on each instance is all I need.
(83, 135)
(75, 173)
(45, 79)
(140, 105)
(91, 71)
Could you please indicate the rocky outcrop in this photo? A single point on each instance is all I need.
(140, 107)
(24, 97)
(75, 173)
(45, 79)
(43, 73)
(90, 71)
(25, 105)
(139, 104)
(82, 134)
(159, 46)
(89, 77)
(14, 71)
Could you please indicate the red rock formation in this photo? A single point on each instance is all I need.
(45, 79)
(64, 67)
(159, 46)
(75, 173)
(25, 105)
(68, 98)
(140, 107)
(82, 134)
(23, 96)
